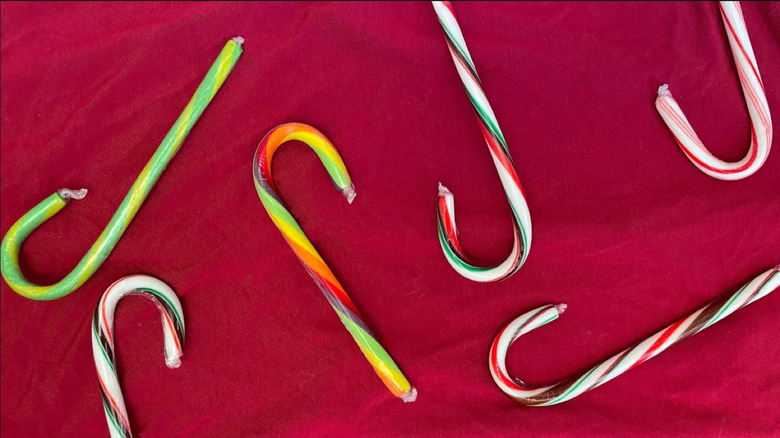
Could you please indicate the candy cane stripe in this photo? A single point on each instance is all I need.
(567, 389)
(521, 217)
(103, 344)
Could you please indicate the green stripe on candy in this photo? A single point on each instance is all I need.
(723, 308)
(728, 304)
(170, 304)
(458, 46)
(271, 204)
(340, 178)
(454, 257)
(443, 240)
(562, 397)
(524, 252)
(492, 123)
(111, 417)
(103, 350)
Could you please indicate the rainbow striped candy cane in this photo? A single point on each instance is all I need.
(448, 231)
(103, 341)
(566, 390)
(97, 254)
(383, 364)
(755, 98)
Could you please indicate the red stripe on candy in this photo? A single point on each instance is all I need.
(739, 43)
(659, 342)
(113, 403)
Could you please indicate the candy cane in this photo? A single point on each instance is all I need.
(566, 390)
(103, 341)
(97, 254)
(448, 231)
(383, 364)
(755, 98)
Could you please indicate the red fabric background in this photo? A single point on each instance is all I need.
(626, 230)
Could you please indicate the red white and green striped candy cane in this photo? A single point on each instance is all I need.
(566, 390)
(103, 341)
(521, 217)
(755, 98)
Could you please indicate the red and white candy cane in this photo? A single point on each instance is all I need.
(566, 390)
(521, 217)
(755, 98)
(103, 341)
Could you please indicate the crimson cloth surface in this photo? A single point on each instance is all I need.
(626, 231)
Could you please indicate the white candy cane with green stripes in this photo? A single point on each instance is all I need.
(521, 217)
(103, 341)
(618, 364)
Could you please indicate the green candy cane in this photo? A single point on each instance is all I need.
(97, 254)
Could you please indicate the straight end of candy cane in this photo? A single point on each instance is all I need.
(173, 362)
(444, 191)
(349, 193)
(238, 40)
(663, 90)
(449, 200)
(409, 396)
(67, 194)
(561, 308)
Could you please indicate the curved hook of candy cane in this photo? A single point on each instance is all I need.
(103, 341)
(521, 216)
(755, 98)
(97, 254)
(546, 395)
(383, 364)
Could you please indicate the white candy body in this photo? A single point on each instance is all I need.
(103, 341)
(755, 99)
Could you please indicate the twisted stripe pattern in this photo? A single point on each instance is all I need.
(103, 341)
(566, 390)
(521, 217)
(383, 364)
(755, 98)
(97, 254)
